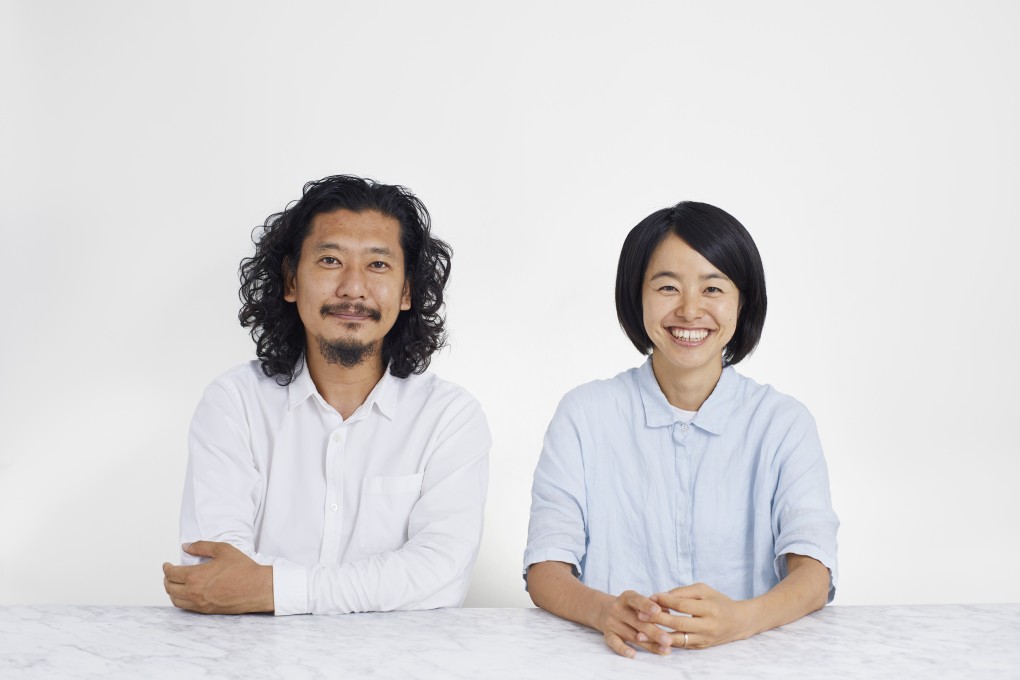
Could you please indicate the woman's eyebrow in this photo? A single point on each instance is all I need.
(657, 275)
(703, 277)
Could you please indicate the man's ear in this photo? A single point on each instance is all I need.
(405, 298)
(289, 281)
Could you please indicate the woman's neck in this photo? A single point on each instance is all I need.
(685, 389)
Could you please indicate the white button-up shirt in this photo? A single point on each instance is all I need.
(381, 511)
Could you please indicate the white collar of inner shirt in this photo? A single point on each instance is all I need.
(382, 397)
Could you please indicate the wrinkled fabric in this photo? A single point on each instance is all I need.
(634, 498)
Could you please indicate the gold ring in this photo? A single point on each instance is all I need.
(685, 640)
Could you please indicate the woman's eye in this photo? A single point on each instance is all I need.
(667, 289)
(713, 289)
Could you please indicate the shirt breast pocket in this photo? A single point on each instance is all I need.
(386, 504)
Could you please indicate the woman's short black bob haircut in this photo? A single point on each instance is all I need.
(721, 240)
(275, 325)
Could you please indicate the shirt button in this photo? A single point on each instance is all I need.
(333, 507)
(684, 427)
(337, 437)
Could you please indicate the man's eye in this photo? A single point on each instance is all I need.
(379, 265)
(329, 260)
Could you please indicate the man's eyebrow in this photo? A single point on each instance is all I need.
(326, 245)
(372, 250)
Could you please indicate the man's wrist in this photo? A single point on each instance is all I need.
(267, 601)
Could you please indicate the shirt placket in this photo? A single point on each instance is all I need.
(333, 518)
(684, 567)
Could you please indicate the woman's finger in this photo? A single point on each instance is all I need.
(695, 590)
(690, 641)
(685, 605)
(616, 644)
(629, 629)
(646, 630)
(682, 624)
(640, 603)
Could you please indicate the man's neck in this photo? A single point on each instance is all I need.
(343, 388)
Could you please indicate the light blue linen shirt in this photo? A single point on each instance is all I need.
(635, 498)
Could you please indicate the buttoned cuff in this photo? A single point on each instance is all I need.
(290, 588)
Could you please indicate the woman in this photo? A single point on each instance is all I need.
(680, 493)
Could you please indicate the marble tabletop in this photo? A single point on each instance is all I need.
(944, 641)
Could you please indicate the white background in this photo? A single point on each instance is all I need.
(872, 149)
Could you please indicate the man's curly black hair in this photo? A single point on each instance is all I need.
(275, 326)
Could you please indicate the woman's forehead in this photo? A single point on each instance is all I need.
(675, 258)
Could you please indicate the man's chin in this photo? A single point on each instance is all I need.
(347, 352)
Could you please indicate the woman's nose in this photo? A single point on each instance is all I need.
(689, 308)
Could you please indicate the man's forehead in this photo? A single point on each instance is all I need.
(355, 217)
(347, 230)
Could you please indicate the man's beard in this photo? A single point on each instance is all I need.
(346, 353)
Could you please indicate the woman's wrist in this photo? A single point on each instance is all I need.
(753, 618)
(603, 602)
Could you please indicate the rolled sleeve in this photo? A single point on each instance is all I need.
(556, 531)
(803, 520)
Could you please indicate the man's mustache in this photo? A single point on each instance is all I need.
(355, 308)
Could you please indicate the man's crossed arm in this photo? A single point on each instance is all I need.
(230, 582)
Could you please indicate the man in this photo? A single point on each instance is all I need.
(334, 474)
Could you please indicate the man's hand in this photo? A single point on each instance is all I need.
(625, 619)
(712, 617)
(229, 583)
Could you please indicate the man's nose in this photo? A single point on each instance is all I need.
(350, 283)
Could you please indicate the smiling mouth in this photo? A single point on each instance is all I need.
(689, 336)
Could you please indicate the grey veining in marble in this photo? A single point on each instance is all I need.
(950, 641)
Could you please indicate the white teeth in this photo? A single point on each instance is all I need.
(689, 335)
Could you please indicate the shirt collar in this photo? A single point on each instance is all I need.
(713, 414)
(383, 396)
(301, 387)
